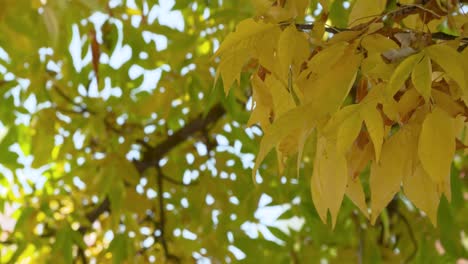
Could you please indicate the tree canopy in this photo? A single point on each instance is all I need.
(254, 131)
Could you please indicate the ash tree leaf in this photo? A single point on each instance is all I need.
(436, 148)
(422, 78)
(357, 160)
(450, 61)
(375, 127)
(328, 184)
(364, 11)
(293, 50)
(333, 86)
(348, 132)
(402, 72)
(422, 192)
(251, 39)
(395, 162)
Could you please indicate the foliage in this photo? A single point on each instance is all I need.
(117, 147)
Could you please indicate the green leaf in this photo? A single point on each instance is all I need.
(448, 230)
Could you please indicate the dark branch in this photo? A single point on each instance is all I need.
(152, 155)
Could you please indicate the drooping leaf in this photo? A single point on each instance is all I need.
(293, 50)
(422, 192)
(348, 132)
(329, 179)
(396, 161)
(251, 39)
(450, 61)
(436, 147)
(375, 127)
(402, 72)
(363, 11)
(422, 77)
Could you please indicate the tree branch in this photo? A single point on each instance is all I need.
(335, 30)
(153, 154)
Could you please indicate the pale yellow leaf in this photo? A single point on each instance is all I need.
(293, 50)
(401, 73)
(447, 103)
(282, 99)
(390, 108)
(251, 39)
(395, 162)
(263, 103)
(332, 87)
(422, 78)
(329, 179)
(422, 192)
(378, 43)
(375, 127)
(450, 61)
(437, 147)
(262, 6)
(293, 120)
(324, 60)
(464, 55)
(357, 160)
(230, 67)
(348, 132)
(364, 11)
(338, 118)
(408, 102)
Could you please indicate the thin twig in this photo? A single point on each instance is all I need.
(162, 215)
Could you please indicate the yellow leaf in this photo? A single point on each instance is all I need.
(261, 6)
(437, 147)
(329, 179)
(338, 118)
(464, 55)
(378, 43)
(450, 60)
(301, 6)
(357, 160)
(323, 61)
(293, 50)
(422, 192)
(283, 126)
(422, 78)
(375, 127)
(364, 11)
(374, 67)
(263, 107)
(251, 39)
(134, 12)
(395, 162)
(402, 72)
(332, 87)
(390, 108)
(282, 99)
(348, 132)
(408, 102)
(445, 102)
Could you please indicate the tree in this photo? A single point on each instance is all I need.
(123, 141)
